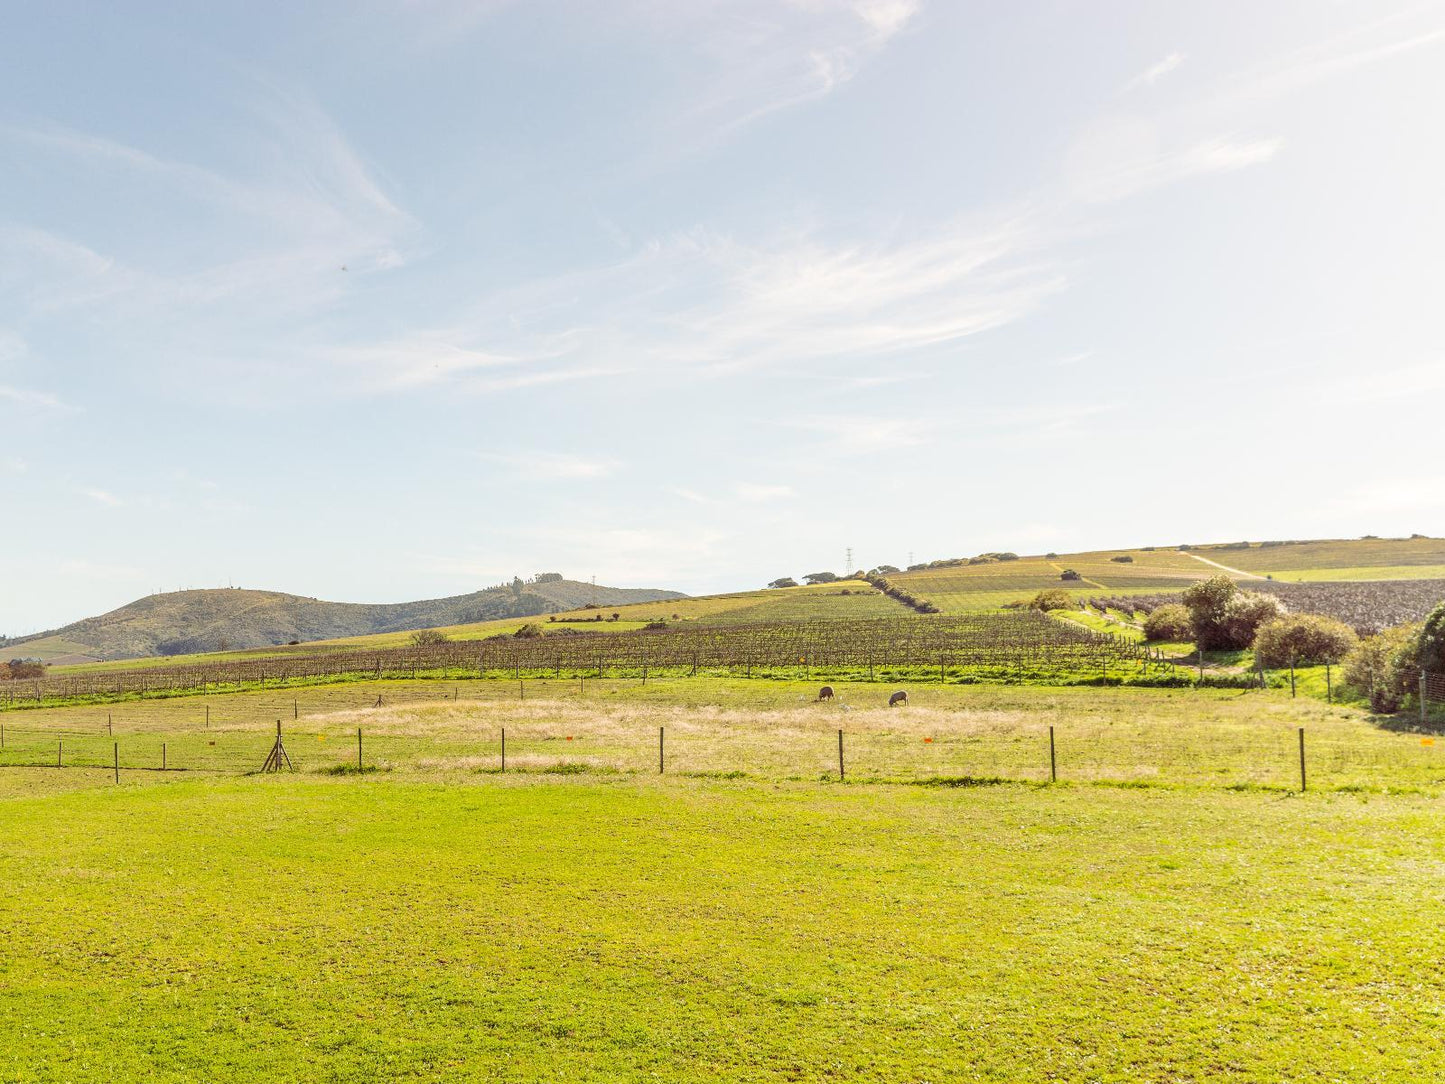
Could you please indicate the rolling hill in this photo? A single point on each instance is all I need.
(226, 619)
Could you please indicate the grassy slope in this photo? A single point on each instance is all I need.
(794, 604)
(361, 930)
(981, 587)
(1365, 558)
(252, 619)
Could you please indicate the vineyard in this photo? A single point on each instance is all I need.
(1366, 606)
(1018, 647)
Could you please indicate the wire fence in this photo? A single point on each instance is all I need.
(551, 728)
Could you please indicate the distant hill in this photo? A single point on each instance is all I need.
(226, 619)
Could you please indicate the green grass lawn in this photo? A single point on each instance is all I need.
(526, 929)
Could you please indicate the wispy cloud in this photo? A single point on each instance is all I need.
(853, 434)
(762, 56)
(101, 496)
(27, 397)
(1120, 158)
(1361, 47)
(552, 466)
(1152, 74)
(754, 491)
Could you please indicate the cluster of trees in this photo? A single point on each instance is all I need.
(1218, 615)
(992, 557)
(823, 577)
(908, 598)
(1386, 667)
(18, 669)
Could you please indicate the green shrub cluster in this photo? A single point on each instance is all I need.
(1303, 640)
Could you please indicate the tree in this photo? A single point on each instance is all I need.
(1069, 574)
(1385, 667)
(1054, 599)
(1224, 617)
(429, 637)
(884, 570)
(821, 577)
(783, 581)
(1303, 639)
(518, 586)
(1430, 645)
(1170, 622)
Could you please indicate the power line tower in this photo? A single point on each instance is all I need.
(848, 561)
(910, 557)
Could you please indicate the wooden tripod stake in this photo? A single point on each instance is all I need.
(277, 757)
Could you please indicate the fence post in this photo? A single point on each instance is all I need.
(840, 757)
(59, 748)
(358, 749)
(1329, 686)
(504, 749)
(109, 730)
(660, 739)
(1302, 759)
(1291, 679)
(1424, 695)
(163, 756)
(1053, 760)
(117, 761)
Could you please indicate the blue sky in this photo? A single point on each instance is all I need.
(396, 298)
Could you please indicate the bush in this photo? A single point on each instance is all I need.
(1170, 622)
(530, 631)
(1385, 667)
(1069, 574)
(1303, 640)
(1430, 646)
(428, 637)
(783, 581)
(21, 669)
(1054, 599)
(1122, 559)
(1226, 618)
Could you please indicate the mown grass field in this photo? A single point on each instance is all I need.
(769, 731)
(619, 928)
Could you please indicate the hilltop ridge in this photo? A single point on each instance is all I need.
(226, 618)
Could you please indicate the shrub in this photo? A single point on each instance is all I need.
(530, 631)
(1069, 574)
(1053, 599)
(1169, 622)
(1430, 646)
(654, 626)
(1224, 617)
(1051, 556)
(1303, 639)
(1122, 559)
(428, 637)
(1385, 667)
(18, 669)
(983, 559)
(783, 581)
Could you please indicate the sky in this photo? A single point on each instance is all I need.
(392, 299)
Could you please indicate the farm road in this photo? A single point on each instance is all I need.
(1232, 571)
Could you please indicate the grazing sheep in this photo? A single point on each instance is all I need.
(897, 698)
(825, 693)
